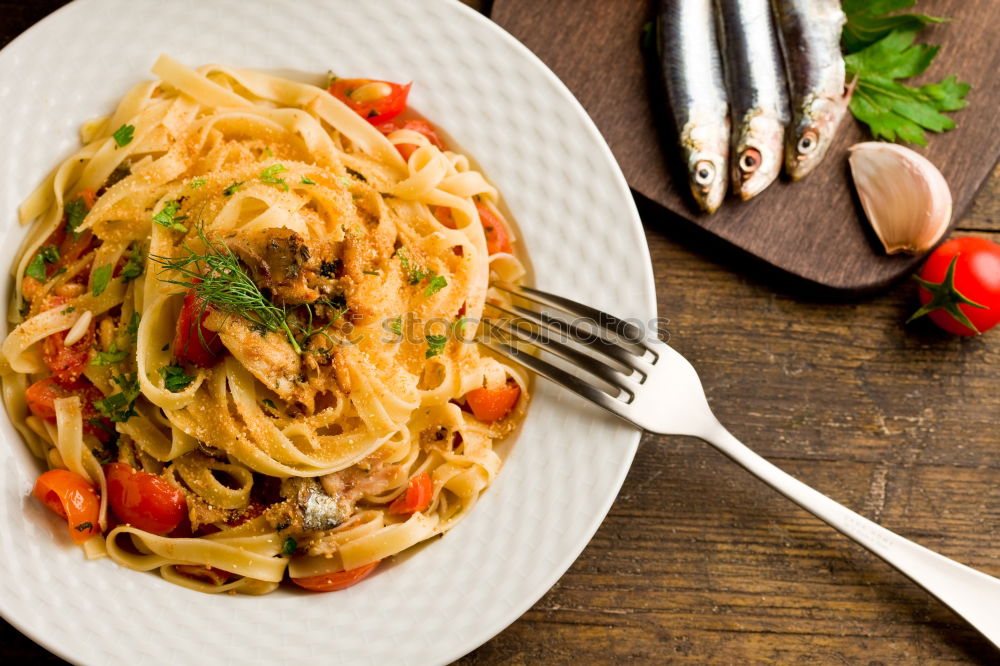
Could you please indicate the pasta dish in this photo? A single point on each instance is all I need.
(242, 331)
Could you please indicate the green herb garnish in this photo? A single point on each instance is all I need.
(102, 276)
(83, 527)
(270, 175)
(76, 211)
(289, 546)
(233, 189)
(196, 183)
(436, 284)
(110, 357)
(376, 273)
(881, 51)
(168, 217)
(414, 274)
(435, 345)
(48, 254)
(397, 325)
(135, 263)
(307, 181)
(123, 135)
(218, 280)
(120, 407)
(175, 379)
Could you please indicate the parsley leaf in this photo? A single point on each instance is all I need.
(233, 189)
(308, 181)
(174, 378)
(76, 210)
(414, 274)
(881, 51)
(196, 183)
(123, 135)
(110, 357)
(120, 407)
(435, 345)
(289, 546)
(48, 254)
(270, 175)
(133, 325)
(397, 325)
(436, 284)
(867, 21)
(102, 276)
(168, 217)
(135, 263)
(83, 527)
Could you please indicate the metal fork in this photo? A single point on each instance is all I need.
(614, 364)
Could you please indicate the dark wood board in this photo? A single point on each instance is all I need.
(813, 229)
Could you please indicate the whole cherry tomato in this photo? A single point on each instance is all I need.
(960, 286)
(144, 500)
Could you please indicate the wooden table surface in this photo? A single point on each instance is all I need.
(697, 562)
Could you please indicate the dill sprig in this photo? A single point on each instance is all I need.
(217, 279)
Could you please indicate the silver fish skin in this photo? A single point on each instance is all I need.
(758, 94)
(696, 92)
(809, 31)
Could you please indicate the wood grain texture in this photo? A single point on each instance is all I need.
(697, 562)
(814, 229)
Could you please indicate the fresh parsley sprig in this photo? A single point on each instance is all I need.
(881, 51)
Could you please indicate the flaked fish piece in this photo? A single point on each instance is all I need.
(758, 95)
(692, 75)
(809, 31)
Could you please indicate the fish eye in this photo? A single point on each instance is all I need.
(704, 172)
(807, 143)
(749, 160)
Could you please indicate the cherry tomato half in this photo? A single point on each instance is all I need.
(144, 500)
(337, 580)
(376, 101)
(961, 270)
(70, 496)
(193, 342)
(41, 397)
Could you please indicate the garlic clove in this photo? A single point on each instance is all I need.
(905, 197)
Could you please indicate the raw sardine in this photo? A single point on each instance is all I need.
(692, 75)
(809, 31)
(758, 97)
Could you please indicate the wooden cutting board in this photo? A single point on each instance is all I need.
(813, 229)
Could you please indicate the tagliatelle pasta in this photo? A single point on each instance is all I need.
(258, 298)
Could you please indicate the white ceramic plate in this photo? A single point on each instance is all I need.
(580, 229)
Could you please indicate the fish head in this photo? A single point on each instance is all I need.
(812, 134)
(758, 154)
(706, 154)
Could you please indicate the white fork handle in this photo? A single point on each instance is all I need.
(970, 593)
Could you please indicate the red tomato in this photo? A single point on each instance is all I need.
(377, 101)
(421, 126)
(71, 497)
(195, 343)
(417, 497)
(960, 286)
(144, 500)
(497, 238)
(67, 363)
(489, 405)
(42, 395)
(337, 580)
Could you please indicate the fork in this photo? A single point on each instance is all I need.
(639, 378)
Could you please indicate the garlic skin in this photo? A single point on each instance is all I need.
(905, 197)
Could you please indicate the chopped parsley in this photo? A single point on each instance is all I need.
(69, 309)
(397, 325)
(123, 135)
(271, 407)
(174, 378)
(168, 217)
(376, 273)
(307, 181)
(414, 274)
(357, 174)
(102, 276)
(135, 263)
(120, 407)
(344, 181)
(110, 357)
(436, 284)
(196, 183)
(48, 254)
(83, 527)
(133, 325)
(268, 151)
(76, 211)
(270, 175)
(289, 546)
(233, 189)
(435, 345)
